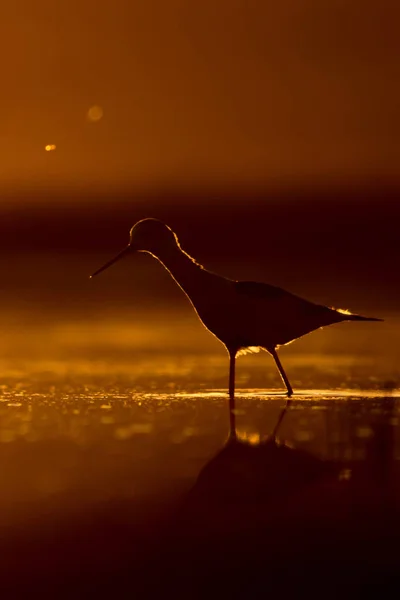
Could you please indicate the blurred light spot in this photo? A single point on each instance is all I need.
(50, 147)
(364, 432)
(24, 429)
(190, 431)
(303, 436)
(345, 475)
(124, 433)
(107, 420)
(252, 438)
(95, 113)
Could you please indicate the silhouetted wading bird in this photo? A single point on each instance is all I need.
(243, 315)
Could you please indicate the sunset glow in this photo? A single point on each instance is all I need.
(187, 189)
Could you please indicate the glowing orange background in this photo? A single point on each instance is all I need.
(198, 91)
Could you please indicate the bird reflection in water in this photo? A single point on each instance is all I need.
(287, 505)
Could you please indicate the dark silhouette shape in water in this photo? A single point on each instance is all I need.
(243, 315)
(243, 473)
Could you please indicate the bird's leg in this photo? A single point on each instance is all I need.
(282, 372)
(288, 387)
(278, 423)
(232, 420)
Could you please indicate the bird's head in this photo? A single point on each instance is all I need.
(151, 235)
(148, 235)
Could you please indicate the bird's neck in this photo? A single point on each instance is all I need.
(184, 270)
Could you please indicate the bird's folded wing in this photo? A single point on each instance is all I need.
(262, 291)
(286, 304)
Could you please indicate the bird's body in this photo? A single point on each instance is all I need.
(246, 314)
(241, 314)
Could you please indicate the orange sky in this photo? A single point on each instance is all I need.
(198, 90)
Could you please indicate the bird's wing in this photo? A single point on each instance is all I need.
(264, 291)
(280, 301)
(290, 315)
(277, 296)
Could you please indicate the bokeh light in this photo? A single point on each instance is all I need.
(95, 113)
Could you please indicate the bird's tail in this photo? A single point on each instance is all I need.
(346, 315)
(361, 318)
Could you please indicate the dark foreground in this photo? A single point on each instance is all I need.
(261, 518)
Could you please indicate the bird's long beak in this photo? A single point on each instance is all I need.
(113, 260)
